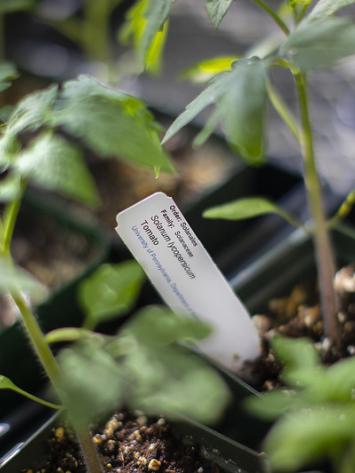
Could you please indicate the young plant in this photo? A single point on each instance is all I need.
(145, 366)
(33, 149)
(315, 413)
(311, 37)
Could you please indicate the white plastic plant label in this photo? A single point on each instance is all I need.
(187, 279)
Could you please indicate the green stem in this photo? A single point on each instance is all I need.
(37, 337)
(11, 214)
(277, 19)
(324, 253)
(344, 210)
(51, 367)
(88, 451)
(282, 109)
(38, 400)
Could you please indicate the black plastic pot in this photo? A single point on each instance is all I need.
(230, 456)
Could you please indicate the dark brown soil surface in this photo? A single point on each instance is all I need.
(121, 185)
(298, 315)
(127, 444)
(52, 253)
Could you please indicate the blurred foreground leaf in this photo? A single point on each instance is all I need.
(170, 382)
(304, 436)
(156, 326)
(110, 291)
(91, 382)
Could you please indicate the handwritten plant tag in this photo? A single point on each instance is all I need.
(187, 279)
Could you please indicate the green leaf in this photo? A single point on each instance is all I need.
(300, 359)
(326, 8)
(210, 95)
(156, 326)
(6, 383)
(154, 54)
(295, 353)
(171, 382)
(111, 122)
(207, 69)
(32, 112)
(91, 382)
(320, 43)
(240, 97)
(8, 6)
(13, 279)
(8, 73)
(156, 14)
(217, 10)
(10, 188)
(248, 207)
(300, 3)
(244, 108)
(110, 291)
(340, 378)
(146, 27)
(55, 164)
(345, 208)
(270, 406)
(305, 436)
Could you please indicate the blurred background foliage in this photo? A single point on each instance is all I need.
(53, 40)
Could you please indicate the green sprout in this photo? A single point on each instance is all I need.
(316, 410)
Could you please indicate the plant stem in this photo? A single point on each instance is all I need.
(282, 109)
(324, 254)
(37, 337)
(88, 451)
(34, 398)
(51, 367)
(277, 19)
(11, 214)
